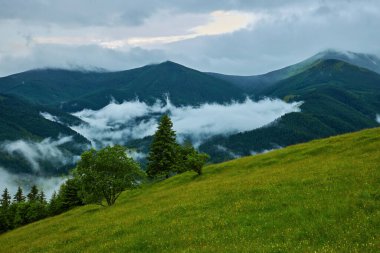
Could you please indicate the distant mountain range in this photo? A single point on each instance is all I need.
(338, 98)
(256, 83)
(340, 93)
(76, 90)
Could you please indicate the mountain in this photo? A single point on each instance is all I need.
(22, 120)
(257, 83)
(76, 90)
(321, 196)
(337, 98)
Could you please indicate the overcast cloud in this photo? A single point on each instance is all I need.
(235, 37)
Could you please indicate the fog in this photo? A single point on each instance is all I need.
(37, 152)
(118, 123)
(25, 181)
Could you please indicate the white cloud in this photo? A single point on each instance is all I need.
(50, 117)
(25, 181)
(118, 123)
(378, 118)
(36, 152)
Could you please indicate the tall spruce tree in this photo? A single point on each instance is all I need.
(41, 197)
(162, 159)
(5, 217)
(5, 199)
(19, 196)
(33, 194)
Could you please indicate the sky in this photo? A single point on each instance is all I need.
(243, 37)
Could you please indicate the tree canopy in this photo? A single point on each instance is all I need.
(162, 159)
(105, 173)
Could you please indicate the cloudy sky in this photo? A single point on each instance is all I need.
(228, 36)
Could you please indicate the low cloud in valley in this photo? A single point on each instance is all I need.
(25, 181)
(35, 152)
(118, 123)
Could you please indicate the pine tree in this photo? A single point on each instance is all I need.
(69, 195)
(33, 194)
(55, 206)
(19, 196)
(5, 199)
(162, 158)
(5, 218)
(41, 197)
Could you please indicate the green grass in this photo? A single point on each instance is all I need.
(322, 196)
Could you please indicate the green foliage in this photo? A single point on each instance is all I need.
(5, 201)
(105, 173)
(196, 161)
(21, 212)
(5, 219)
(322, 196)
(55, 205)
(68, 197)
(19, 196)
(162, 159)
(191, 159)
(33, 194)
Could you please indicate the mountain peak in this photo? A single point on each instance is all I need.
(170, 64)
(368, 61)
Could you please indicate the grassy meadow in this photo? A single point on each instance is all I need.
(322, 196)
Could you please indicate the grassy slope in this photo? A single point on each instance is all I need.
(320, 196)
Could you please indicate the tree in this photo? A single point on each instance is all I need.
(33, 194)
(191, 159)
(5, 219)
(69, 195)
(54, 206)
(19, 196)
(196, 161)
(41, 197)
(5, 199)
(105, 174)
(162, 159)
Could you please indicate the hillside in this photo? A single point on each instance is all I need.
(321, 196)
(21, 120)
(337, 98)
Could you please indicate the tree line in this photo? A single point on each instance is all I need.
(101, 176)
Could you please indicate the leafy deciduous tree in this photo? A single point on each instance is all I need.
(106, 173)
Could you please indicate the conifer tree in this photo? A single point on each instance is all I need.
(5, 199)
(19, 196)
(5, 217)
(41, 197)
(55, 206)
(69, 195)
(162, 159)
(33, 194)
